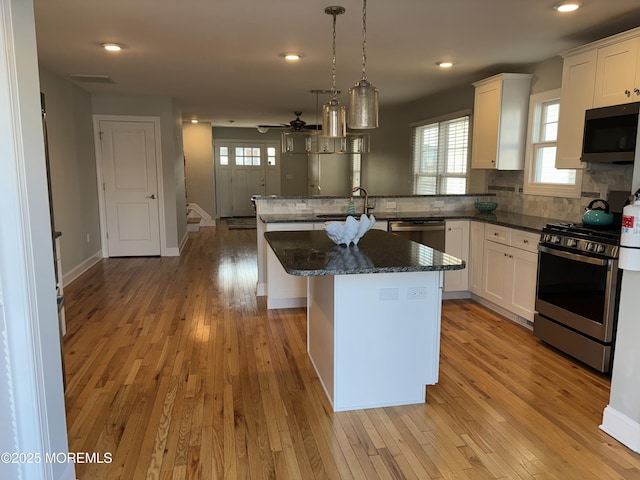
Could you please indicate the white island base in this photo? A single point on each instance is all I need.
(374, 339)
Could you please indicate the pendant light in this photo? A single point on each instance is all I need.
(363, 97)
(333, 114)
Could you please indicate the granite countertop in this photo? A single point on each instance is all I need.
(312, 253)
(497, 217)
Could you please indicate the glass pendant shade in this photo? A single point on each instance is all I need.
(363, 106)
(334, 119)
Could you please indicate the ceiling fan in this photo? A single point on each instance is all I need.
(296, 125)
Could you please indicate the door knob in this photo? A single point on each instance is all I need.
(152, 196)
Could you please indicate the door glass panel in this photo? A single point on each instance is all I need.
(271, 156)
(224, 156)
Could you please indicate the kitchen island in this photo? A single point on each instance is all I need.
(373, 314)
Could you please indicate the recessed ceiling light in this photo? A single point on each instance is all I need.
(194, 120)
(445, 64)
(569, 6)
(292, 57)
(112, 47)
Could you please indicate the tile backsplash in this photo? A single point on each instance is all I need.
(596, 183)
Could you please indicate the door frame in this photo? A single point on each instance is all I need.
(100, 177)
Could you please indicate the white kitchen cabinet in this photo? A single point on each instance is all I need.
(495, 282)
(500, 113)
(510, 269)
(578, 84)
(284, 290)
(618, 74)
(476, 256)
(457, 245)
(524, 268)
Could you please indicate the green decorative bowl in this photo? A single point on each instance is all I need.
(486, 206)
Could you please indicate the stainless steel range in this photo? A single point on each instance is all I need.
(578, 291)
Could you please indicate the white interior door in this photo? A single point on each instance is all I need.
(130, 183)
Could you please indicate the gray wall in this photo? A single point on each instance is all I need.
(293, 168)
(73, 169)
(198, 152)
(172, 158)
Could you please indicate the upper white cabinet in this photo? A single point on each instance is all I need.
(500, 121)
(600, 74)
(576, 97)
(617, 74)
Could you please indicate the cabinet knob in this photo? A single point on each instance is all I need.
(636, 91)
(526, 241)
(627, 93)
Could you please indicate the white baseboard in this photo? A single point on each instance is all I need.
(622, 428)
(286, 302)
(183, 242)
(171, 252)
(78, 270)
(455, 295)
(505, 313)
(261, 289)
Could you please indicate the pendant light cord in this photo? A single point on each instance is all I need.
(364, 38)
(333, 64)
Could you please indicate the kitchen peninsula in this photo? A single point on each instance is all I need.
(373, 314)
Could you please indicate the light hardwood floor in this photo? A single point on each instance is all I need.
(179, 371)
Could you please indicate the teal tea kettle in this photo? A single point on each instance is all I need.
(597, 216)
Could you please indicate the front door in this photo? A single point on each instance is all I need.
(130, 184)
(244, 169)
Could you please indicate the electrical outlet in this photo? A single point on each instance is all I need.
(416, 293)
(301, 206)
(386, 294)
(390, 205)
(438, 203)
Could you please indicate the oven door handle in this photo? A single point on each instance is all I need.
(573, 256)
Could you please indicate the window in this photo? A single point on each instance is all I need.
(248, 156)
(441, 156)
(271, 156)
(543, 178)
(224, 155)
(356, 164)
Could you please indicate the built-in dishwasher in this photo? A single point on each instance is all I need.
(429, 232)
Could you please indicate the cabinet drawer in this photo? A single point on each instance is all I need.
(525, 240)
(498, 234)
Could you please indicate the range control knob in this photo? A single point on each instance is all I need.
(600, 248)
(572, 242)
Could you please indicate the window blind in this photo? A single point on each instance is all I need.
(441, 157)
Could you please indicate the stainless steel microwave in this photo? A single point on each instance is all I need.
(610, 134)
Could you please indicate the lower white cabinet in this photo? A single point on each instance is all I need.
(457, 245)
(510, 272)
(476, 256)
(284, 290)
